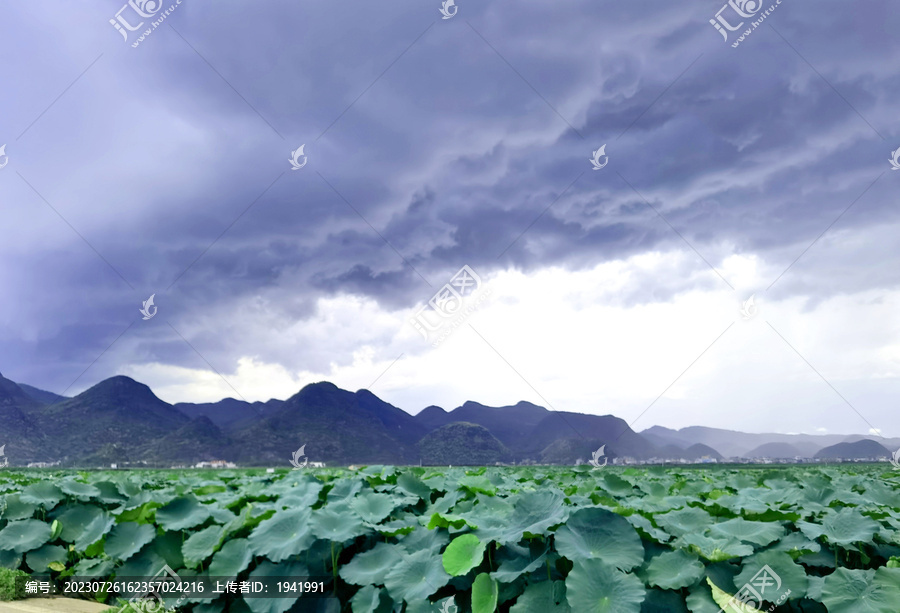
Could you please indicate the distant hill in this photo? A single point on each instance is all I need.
(120, 420)
(230, 413)
(42, 396)
(461, 444)
(865, 449)
(774, 451)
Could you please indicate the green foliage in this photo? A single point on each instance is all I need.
(528, 539)
(8, 588)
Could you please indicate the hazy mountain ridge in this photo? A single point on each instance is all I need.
(120, 420)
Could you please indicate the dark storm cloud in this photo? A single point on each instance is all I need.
(171, 161)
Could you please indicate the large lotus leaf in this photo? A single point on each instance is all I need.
(303, 494)
(684, 521)
(344, 489)
(84, 524)
(127, 538)
(371, 567)
(594, 586)
(663, 601)
(181, 513)
(643, 525)
(543, 597)
(10, 559)
(674, 570)
(532, 512)
(862, 591)
(221, 515)
(109, 492)
(421, 538)
(94, 567)
(463, 554)
(715, 549)
(262, 573)
(145, 563)
(15, 508)
(514, 561)
(756, 532)
(40, 559)
(796, 544)
(201, 545)
(234, 557)
(372, 507)
(42, 492)
(843, 528)
(598, 533)
(413, 485)
(786, 572)
(485, 593)
(416, 576)
(284, 534)
(370, 599)
(77, 489)
(336, 523)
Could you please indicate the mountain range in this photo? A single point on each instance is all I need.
(121, 421)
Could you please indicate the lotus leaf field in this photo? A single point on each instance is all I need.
(454, 540)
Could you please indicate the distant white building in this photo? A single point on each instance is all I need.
(215, 464)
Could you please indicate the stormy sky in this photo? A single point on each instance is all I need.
(162, 166)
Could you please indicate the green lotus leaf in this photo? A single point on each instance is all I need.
(370, 599)
(845, 527)
(597, 533)
(684, 521)
(201, 545)
(127, 538)
(24, 535)
(233, 558)
(532, 512)
(791, 575)
(78, 490)
(42, 492)
(40, 559)
(84, 524)
(416, 576)
(371, 567)
(463, 554)
(181, 513)
(372, 507)
(674, 570)
(108, 492)
(485, 593)
(514, 561)
(862, 591)
(413, 485)
(15, 508)
(543, 597)
(267, 569)
(336, 523)
(756, 532)
(594, 586)
(10, 559)
(94, 567)
(284, 534)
